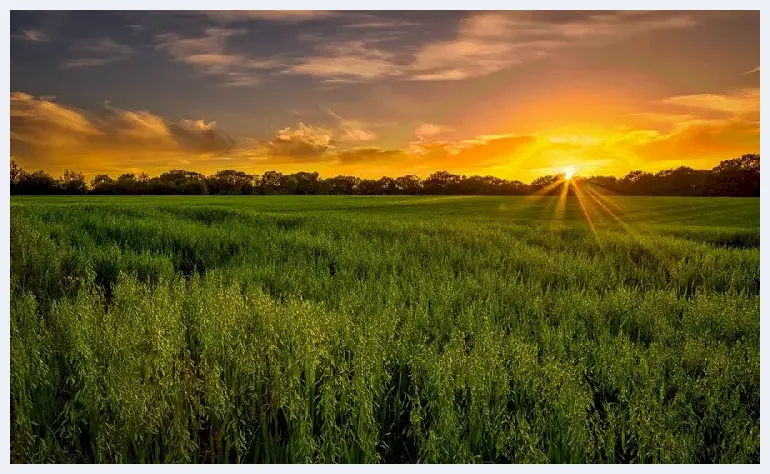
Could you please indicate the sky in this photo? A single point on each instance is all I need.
(516, 94)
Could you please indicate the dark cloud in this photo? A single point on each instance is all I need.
(198, 136)
(96, 52)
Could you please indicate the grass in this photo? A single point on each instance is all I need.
(384, 329)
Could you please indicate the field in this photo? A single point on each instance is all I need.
(384, 329)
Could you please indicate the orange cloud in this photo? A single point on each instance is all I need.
(49, 135)
(302, 143)
(742, 102)
(428, 130)
(353, 130)
(53, 136)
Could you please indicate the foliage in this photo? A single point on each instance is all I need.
(387, 329)
(736, 177)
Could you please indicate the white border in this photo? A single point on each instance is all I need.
(351, 5)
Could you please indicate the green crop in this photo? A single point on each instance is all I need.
(384, 329)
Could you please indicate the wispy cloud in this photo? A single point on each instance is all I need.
(31, 34)
(490, 41)
(484, 43)
(429, 130)
(88, 62)
(282, 16)
(96, 52)
(756, 69)
(377, 25)
(353, 130)
(348, 61)
(101, 46)
(739, 103)
(209, 54)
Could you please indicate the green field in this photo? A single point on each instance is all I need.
(384, 329)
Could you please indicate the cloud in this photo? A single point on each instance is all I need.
(358, 155)
(96, 52)
(384, 24)
(472, 153)
(45, 132)
(32, 34)
(484, 43)
(209, 54)
(756, 69)
(489, 42)
(303, 142)
(427, 130)
(39, 122)
(281, 16)
(741, 102)
(101, 46)
(212, 41)
(88, 62)
(353, 130)
(348, 61)
(48, 134)
(314, 148)
(699, 139)
(201, 136)
(358, 134)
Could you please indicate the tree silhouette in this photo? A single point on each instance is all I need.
(733, 177)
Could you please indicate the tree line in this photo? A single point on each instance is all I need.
(734, 177)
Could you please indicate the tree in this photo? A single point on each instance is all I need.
(409, 184)
(441, 182)
(272, 182)
(736, 177)
(306, 183)
(73, 182)
(387, 185)
(16, 172)
(733, 177)
(230, 182)
(103, 184)
(342, 184)
(127, 184)
(368, 187)
(638, 182)
(38, 182)
(546, 184)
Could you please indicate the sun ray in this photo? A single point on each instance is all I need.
(611, 202)
(607, 195)
(583, 207)
(598, 200)
(557, 221)
(547, 189)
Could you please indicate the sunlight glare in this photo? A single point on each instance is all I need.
(569, 172)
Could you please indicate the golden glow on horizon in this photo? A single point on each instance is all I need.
(52, 135)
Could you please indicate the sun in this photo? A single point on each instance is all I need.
(569, 172)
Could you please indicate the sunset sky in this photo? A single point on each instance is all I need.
(512, 94)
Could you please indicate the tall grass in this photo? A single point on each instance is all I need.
(290, 329)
